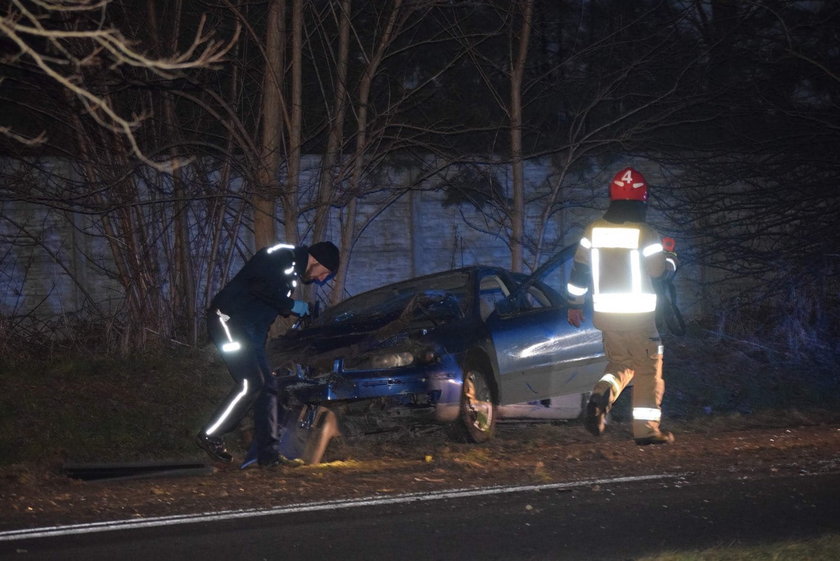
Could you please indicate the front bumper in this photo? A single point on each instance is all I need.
(436, 386)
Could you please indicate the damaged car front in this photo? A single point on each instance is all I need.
(397, 348)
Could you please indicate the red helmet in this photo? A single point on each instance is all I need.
(628, 185)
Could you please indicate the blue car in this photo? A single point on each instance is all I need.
(459, 347)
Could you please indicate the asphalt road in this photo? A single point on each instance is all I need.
(609, 519)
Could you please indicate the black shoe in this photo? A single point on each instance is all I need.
(663, 437)
(595, 420)
(214, 446)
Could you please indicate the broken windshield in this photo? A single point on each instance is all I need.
(438, 297)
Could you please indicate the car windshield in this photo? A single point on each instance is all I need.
(436, 297)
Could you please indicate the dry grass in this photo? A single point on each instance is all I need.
(86, 409)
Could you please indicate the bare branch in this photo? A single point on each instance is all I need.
(67, 70)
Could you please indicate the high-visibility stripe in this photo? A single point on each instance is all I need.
(647, 414)
(229, 408)
(279, 246)
(596, 271)
(223, 319)
(612, 381)
(575, 290)
(652, 249)
(635, 272)
(231, 345)
(618, 238)
(624, 302)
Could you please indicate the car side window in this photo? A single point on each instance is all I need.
(491, 291)
(535, 299)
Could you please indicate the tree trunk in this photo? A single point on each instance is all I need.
(327, 183)
(268, 184)
(290, 196)
(517, 214)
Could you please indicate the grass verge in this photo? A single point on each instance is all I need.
(148, 407)
(823, 548)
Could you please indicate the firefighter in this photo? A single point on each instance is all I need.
(239, 319)
(619, 258)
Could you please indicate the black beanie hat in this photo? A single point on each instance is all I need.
(326, 254)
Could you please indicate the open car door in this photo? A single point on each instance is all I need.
(539, 354)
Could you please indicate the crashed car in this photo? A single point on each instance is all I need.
(459, 347)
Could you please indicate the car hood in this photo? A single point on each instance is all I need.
(316, 348)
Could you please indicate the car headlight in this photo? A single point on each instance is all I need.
(379, 361)
(392, 360)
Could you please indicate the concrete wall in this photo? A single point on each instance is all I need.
(53, 262)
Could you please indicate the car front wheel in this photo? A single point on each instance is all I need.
(477, 414)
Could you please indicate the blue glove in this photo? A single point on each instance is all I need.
(300, 308)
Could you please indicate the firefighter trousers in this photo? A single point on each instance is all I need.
(636, 356)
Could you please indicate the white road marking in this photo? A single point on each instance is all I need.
(133, 524)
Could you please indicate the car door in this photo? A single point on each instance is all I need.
(538, 353)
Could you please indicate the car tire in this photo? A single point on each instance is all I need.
(324, 428)
(477, 411)
(307, 432)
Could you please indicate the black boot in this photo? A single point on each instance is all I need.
(595, 419)
(214, 446)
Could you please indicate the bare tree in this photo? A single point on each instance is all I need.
(64, 40)
(752, 172)
(584, 87)
(176, 237)
(468, 91)
(367, 127)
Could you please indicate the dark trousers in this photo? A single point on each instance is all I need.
(254, 386)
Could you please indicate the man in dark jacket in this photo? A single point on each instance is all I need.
(239, 319)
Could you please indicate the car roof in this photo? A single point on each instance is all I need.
(471, 270)
(523, 280)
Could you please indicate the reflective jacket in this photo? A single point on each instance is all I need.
(618, 261)
(262, 289)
